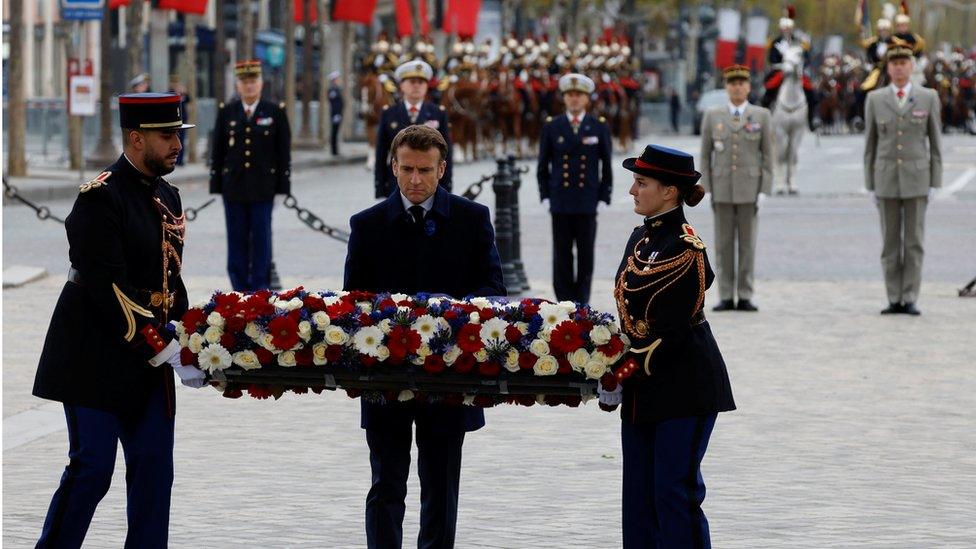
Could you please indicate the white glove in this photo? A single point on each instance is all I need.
(610, 398)
(760, 199)
(191, 376)
(874, 195)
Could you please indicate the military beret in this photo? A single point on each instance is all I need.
(576, 82)
(414, 69)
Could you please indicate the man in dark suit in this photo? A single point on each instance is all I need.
(402, 245)
(109, 356)
(413, 77)
(251, 163)
(574, 173)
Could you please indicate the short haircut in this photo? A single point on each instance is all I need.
(419, 138)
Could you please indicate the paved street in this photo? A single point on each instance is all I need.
(853, 430)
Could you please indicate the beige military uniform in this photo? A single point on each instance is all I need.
(902, 161)
(736, 165)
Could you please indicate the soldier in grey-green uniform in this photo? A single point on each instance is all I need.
(737, 169)
(902, 164)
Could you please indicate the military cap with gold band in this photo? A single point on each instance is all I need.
(247, 69)
(414, 69)
(735, 72)
(576, 82)
(151, 111)
(899, 52)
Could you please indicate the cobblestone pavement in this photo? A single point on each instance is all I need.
(853, 429)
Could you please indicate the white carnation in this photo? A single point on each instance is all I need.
(368, 340)
(493, 330)
(331, 300)
(399, 297)
(385, 325)
(214, 319)
(567, 306)
(214, 357)
(475, 318)
(247, 360)
(287, 358)
(426, 326)
(546, 365)
(290, 305)
(480, 302)
(552, 314)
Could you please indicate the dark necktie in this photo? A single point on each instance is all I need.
(417, 212)
(735, 115)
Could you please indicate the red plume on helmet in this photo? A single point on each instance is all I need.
(790, 11)
(904, 7)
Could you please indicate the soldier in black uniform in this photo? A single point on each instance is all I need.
(575, 174)
(109, 355)
(336, 106)
(251, 163)
(681, 383)
(413, 77)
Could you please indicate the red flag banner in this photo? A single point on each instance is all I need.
(299, 11)
(198, 7)
(404, 18)
(356, 11)
(116, 4)
(461, 17)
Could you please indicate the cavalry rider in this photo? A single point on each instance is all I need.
(788, 37)
(904, 35)
(875, 48)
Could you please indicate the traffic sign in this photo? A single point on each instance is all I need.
(82, 10)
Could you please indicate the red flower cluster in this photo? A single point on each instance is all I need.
(566, 337)
(402, 341)
(469, 338)
(284, 332)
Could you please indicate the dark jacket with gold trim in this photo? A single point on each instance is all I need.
(125, 244)
(660, 294)
(251, 157)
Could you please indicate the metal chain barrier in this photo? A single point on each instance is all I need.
(42, 212)
(191, 213)
(475, 188)
(315, 222)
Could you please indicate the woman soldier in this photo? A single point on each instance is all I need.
(680, 382)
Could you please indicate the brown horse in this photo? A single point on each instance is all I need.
(464, 102)
(506, 106)
(373, 97)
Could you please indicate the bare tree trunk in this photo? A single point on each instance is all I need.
(220, 52)
(105, 150)
(133, 40)
(245, 30)
(323, 118)
(347, 73)
(415, 18)
(74, 122)
(190, 81)
(16, 114)
(290, 60)
(308, 37)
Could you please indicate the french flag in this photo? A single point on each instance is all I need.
(729, 24)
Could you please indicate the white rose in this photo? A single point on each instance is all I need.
(546, 365)
(252, 330)
(305, 330)
(424, 351)
(214, 319)
(481, 355)
(480, 302)
(511, 361)
(600, 335)
(289, 305)
(417, 361)
(475, 318)
(385, 325)
(595, 369)
(523, 327)
(335, 335)
(321, 320)
(247, 360)
(195, 343)
(451, 354)
(266, 341)
(545, 334)
(539, 347)
(214, 358)
(213, 333)
(578, 359)
(287, 359)
(405, 395)
(318, 354)
(382, 353)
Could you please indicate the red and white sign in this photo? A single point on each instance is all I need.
(729, 26)
(83, 95)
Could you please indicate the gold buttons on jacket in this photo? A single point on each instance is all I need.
(565, 166)
(899, 160)
(247, 153)
(582, 157)
(898, 147)
(565, 183)
(247, 141)
(247, 129)
(247, 164)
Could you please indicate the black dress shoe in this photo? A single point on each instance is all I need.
(893, 309)
(910, 309)
(746, 305)
(724, 305)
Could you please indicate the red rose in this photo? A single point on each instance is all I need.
(187, 358)
(489, 369)
(314, 303)
(402, 341)
(419, 311)
(192, 318)
(434, 364)
(585, 325)
(469, 338)
(333, 353)
(464, 364)
(236, 323)
(284, 332)
(566, 337)
(609, 382)
(527, 361)
(450, 314)
(367, 360)
(530, 307)
(254, 307)
(304, 357)
(290, 294)
(263, 295)
(611, 348)
(265, 356)
(512, 334)
(386, 304)
(365, 319)
(227, 340)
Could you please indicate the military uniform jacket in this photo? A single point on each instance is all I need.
(903, 151)
(574, 170)
(737, 157)
(660, 294)
(775, 56)
(394, 119)
(125, 244)
(251, 158)
(336, 104)
(875, 49)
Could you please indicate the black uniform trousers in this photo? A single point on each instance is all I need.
(663, 487)
(569, 230)
(334, 138)
(439, 469)
(93, 438)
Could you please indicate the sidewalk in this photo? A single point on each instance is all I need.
(60, 183)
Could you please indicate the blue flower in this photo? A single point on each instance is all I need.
(430, 227)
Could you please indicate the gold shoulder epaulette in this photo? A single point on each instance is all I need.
(688, 235)
(281, 105)
(443, 84)
(99, 181)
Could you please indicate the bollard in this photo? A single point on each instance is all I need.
(502, 186)
(516, 176)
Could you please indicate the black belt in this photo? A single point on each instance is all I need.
(698, 318)
(150, 297)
